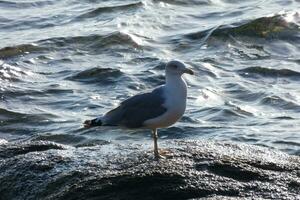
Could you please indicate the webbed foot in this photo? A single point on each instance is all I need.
(162, 154)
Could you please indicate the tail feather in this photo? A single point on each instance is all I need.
(93, 122)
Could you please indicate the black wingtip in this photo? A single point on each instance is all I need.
(96, 122)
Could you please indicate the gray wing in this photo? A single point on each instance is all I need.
(134, 111)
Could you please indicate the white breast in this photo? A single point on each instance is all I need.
(175, 93)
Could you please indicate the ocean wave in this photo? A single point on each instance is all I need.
(5, 114)
(222, 114)
(11, 73)
(241, 110)
(269, 72)
(292, 143)
(153, 80)
(17, 92)
(9, 117)
(227, 114)
(98, 75)
(109, 9)
(8, 52)
(91, 42)
(183, 2)
(24, 4)
(207, 69)
(18, 123)
(71, 139)
(278, 102)
(284, 118)
(274, 27)
(241, 92)
(2, 141)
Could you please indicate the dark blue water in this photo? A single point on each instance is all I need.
(62, 62)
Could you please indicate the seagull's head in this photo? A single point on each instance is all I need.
(175, 67)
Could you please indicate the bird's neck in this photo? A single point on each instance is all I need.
(176, 84)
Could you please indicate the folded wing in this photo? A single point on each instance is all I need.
(134, 111)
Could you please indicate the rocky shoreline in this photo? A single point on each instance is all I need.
(196, 169)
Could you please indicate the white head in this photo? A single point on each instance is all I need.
(177, 68)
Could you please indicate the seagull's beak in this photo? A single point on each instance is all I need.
(188, 71)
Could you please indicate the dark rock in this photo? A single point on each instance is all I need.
(196, 169)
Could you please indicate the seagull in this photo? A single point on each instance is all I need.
(161, 108)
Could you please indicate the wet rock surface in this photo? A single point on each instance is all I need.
(193, 170)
